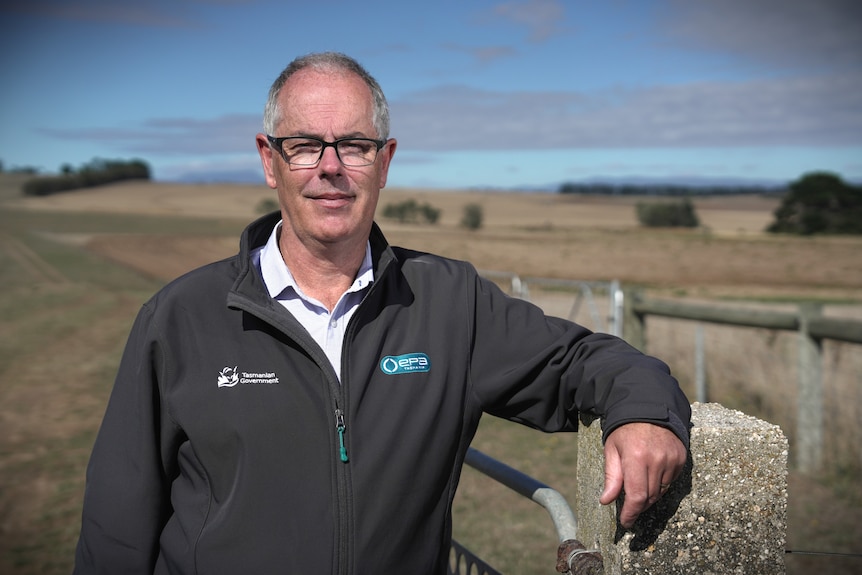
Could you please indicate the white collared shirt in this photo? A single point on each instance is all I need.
(326, 328)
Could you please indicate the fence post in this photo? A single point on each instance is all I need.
(616, 299)
(810, 393)
(726, 513)
(634, 328)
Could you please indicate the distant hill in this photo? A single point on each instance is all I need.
(690, 182)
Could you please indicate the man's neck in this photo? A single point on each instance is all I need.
(322, 271)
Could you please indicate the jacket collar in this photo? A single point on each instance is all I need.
(248, 282)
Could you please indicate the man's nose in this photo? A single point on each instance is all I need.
(329, 161)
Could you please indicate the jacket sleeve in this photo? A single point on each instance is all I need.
(544, 371)
(126, 500)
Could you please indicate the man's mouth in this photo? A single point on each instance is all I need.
(332, 200)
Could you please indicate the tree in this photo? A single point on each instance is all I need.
(819, 203)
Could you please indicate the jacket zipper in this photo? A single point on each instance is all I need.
(341, 427)
(343, 497)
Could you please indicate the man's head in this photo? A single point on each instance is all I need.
(326, 150)
(327, 62)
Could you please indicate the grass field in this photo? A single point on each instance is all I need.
(75, 268)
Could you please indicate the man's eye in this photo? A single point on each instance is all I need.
(304, 147)
(355, 147)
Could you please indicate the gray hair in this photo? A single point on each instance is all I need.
(328, 62)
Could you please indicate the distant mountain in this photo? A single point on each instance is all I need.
(686, 181)
(225, 177)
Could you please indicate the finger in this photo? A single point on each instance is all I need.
(638, 497)
(667, 481)
(665, 484)
(613, 476)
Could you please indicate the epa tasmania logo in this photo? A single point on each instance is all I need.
(407, 363)
(228, 377)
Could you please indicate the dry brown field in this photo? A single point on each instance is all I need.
(729, 258)
(538, 235)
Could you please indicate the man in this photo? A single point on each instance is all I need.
(305, 406)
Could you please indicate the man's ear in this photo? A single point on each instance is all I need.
(385, 157)
(266, 159)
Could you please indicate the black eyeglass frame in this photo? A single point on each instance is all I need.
(278, 144)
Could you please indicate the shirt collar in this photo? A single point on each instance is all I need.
(277, 277)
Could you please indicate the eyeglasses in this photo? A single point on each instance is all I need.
(305, 151)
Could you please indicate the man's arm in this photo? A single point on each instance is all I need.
(645, 459)
(555, 370)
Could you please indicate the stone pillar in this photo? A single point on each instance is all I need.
(725, 514)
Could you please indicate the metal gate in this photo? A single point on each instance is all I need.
(571, 558)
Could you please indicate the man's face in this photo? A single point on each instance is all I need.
(327, 203)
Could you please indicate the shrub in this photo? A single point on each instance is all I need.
(410, 211)
(472, 217)
(267, 205)
(430, 214)
(679, 214)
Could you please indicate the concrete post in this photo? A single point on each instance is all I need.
(725, 514)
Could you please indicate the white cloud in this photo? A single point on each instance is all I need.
(541, 18)
(152, 13)
(228, 134)
(772, 112)
(815, 111)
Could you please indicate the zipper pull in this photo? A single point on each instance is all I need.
(340, 427)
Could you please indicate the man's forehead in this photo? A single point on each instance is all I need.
(334, 85)
(315, 96)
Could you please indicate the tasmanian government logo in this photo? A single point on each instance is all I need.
(231, 376)
(407, 363)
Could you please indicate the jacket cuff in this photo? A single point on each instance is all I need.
(650, 413)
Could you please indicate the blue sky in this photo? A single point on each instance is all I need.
(505, 94)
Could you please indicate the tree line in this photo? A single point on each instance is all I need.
(816, 203)
(94, 173)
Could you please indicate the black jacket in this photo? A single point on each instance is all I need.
(229, 446)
